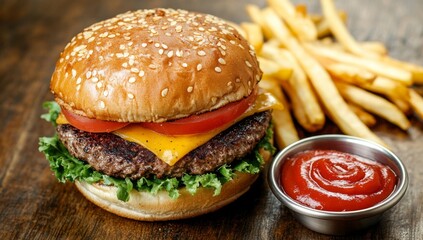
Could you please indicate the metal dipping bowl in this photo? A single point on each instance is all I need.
(342, 222)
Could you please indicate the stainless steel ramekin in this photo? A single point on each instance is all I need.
(332, 222)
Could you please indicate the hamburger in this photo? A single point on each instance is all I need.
(158, 115)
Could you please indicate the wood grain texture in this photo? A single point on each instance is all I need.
(33, 205)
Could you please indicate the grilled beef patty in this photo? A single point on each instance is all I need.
(114, 156)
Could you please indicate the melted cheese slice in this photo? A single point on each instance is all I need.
(170, 149)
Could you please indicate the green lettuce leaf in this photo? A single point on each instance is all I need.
(53, 112)
(68, 168)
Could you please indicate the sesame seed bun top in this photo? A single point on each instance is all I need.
(154, 65)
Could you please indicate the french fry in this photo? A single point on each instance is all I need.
(298, 109)
(253, 34)
(255, 14)
(349, 73)
(373, 65)
(271, 68)
(416, 71)
(301, 9)
(364, 116)
(387, 87)
(376, 47)
(403, 105)
(285, 131)
(300, 24)
(300, 84)
(340, 31)
(337, 108)
(322, 26)
(416, 102)
(374, 104)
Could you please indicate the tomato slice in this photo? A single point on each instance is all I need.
(203, 122)
(91, 125)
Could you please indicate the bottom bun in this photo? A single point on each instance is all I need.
(160, 207)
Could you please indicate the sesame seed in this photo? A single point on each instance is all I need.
(78, 87)
(232, 42)
(78, 81)
(157, 45)
(184, 65)
(131, 61)
(87, 34)
(106, 93)
(131, 80)
(111, 36)
(222, 61)
(161, 51)
(99, 84)
(94, 79)
(179, 53)
(96, 27)
(170, 54)
(257, 77)
(135, 70)
(94, 73)
(201, 53)
(237, 80)
(199, 67)
(125, 64)
(248, 63)
(152, 66)
(131, 96)
(122, 47)
(88, 74)
(104, 34)
(102, 105)
(79, 48)
(164, 92)
(218, 69)
(164, 46)
(141, 73)
(190, 89)
(73, 72)
(144, 45)
(178, 28)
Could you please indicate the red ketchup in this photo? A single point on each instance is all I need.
(336, 181)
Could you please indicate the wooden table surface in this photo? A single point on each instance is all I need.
(34, 205)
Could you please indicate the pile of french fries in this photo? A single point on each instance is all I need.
(325, 72)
